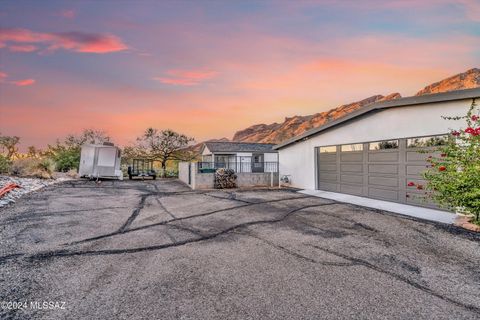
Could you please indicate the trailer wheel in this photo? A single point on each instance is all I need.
(130, 177)
(154, 177)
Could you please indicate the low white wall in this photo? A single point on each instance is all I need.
(298, 160)
(183, 168)
(206, 180)
(254, 179)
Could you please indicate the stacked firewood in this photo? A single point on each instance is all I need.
(225, 178)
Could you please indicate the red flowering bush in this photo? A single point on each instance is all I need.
(454, 177)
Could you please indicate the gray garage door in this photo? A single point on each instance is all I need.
(379, 170)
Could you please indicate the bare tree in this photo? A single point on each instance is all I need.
(8, 146)
(92, 136)
(162, 145)
(33, 152)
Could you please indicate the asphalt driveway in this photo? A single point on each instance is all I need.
(157, 250)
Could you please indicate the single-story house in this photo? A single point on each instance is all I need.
(240, 156)
(374, 151)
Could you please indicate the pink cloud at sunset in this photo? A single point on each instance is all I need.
(22, 48)
(19, 83)
(185, 77)
(24, 82)
(73, 41)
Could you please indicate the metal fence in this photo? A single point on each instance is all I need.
(238, 166)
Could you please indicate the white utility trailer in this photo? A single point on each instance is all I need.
(100, 161)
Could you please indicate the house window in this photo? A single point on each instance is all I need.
(432, 141)
(221, 160)
(328, 149)
(352, 147)
(383, 145)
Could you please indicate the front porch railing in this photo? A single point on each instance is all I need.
(238, 167)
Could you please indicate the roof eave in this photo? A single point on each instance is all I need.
(402, 102)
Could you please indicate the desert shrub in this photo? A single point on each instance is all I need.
(32, 167)
(21, 167)
(4, 164)
(44, 168)
(66, 159)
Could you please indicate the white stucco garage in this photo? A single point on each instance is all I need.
(373, 151)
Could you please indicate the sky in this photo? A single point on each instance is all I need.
(210, 68)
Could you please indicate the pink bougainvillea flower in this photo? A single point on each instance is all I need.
(410, 184)
(475, 118)
(455, 133)
(443, 155)
(442, 168)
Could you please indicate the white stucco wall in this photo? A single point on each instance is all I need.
(298, 160)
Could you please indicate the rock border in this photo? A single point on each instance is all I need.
(466, 223)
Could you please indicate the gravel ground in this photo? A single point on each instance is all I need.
(157, 250)
(27, 185)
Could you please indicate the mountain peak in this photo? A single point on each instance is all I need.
(292, 126)
(465, 80)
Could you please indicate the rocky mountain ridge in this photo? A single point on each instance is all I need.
(296, 125)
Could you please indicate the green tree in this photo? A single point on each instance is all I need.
(453, 179)
(161, 145)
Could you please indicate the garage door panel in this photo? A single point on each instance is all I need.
(383, 168)
(351, 189)
(328, 186)
(325, 176)
(328, 167)
(328, 157)
(383, 194)
(383, 181)
(350, 178)
(383, 156)
(351, 157)
(351, 168)
(417, 156)
(416, 170)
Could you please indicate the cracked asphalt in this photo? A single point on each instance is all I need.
(158, 250)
